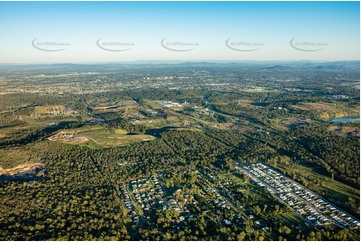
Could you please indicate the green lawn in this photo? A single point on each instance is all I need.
(290, 218)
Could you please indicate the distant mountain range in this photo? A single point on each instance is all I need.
(263, 65)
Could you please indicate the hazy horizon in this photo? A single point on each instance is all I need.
(175, 62)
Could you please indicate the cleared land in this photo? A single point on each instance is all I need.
(345, 130)
(100, 137)
(329, 110)
(26, 167)
(12, 157)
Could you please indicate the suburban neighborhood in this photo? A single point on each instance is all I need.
(314, 209)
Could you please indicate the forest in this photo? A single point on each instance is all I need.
(178, 180)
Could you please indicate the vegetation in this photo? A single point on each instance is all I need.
(86, 190)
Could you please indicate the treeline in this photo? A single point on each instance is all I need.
(340, 154)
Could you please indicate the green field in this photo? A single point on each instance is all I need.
(290, 218)
(327, 111)
(101, 137)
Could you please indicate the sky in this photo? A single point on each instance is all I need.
(97, 32)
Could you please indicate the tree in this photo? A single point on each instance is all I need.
(265, 207)
(241, 236)
(257, 210)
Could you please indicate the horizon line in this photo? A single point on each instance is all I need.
(179, 62)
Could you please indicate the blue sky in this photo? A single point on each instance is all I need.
(264, 27)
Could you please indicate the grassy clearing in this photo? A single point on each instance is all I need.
(16, 131)
(332, 187)
(12, 157)
(330, 110)
(152, 104)
(120, 131)
(31, 124)
(42, 116)
(124, 104)
(344, 130)
(28, 166)
(290, 218)
(276, 123)
(12, 130)
(51, 109)
(101, 137)
(44, 122)
(155, 123)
